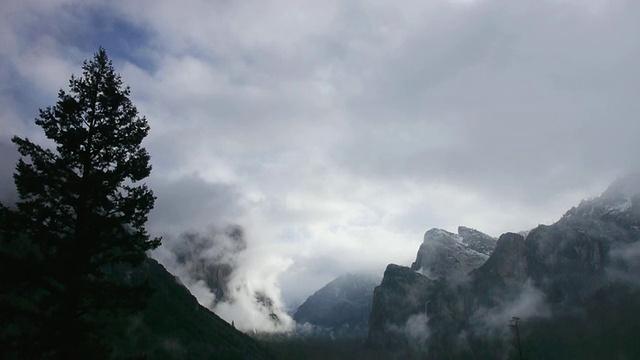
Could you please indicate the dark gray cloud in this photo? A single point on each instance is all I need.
(190, 202)
(522, 100)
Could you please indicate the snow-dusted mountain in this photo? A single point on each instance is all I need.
(343, 304)
(444, 254)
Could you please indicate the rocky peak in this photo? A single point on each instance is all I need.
(628, 186)
(620, 203)
(577, 246)
(477, 240)
(444, 254)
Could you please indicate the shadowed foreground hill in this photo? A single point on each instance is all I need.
(176, 326)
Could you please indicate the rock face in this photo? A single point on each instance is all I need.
(578, 254)
(477, 240)
(343, 304)
(403, 293)
(508, 263)
(576, 281)
(444, 254)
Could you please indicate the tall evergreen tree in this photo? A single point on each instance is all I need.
(82, 211)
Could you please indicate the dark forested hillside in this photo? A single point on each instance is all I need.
(176, 326)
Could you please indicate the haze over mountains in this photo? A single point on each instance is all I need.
(208, 264)
(572, 284)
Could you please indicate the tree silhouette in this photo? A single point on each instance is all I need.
(80, 220)
(514, 326)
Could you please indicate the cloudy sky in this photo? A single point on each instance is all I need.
(337, 132)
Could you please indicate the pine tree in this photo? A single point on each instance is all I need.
(82, 210)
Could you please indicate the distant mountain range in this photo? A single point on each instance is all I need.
(342, 307)
(574, 287)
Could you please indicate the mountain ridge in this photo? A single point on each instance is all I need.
(553, 278)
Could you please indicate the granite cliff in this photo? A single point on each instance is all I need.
(444, 254)
(573, 284)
